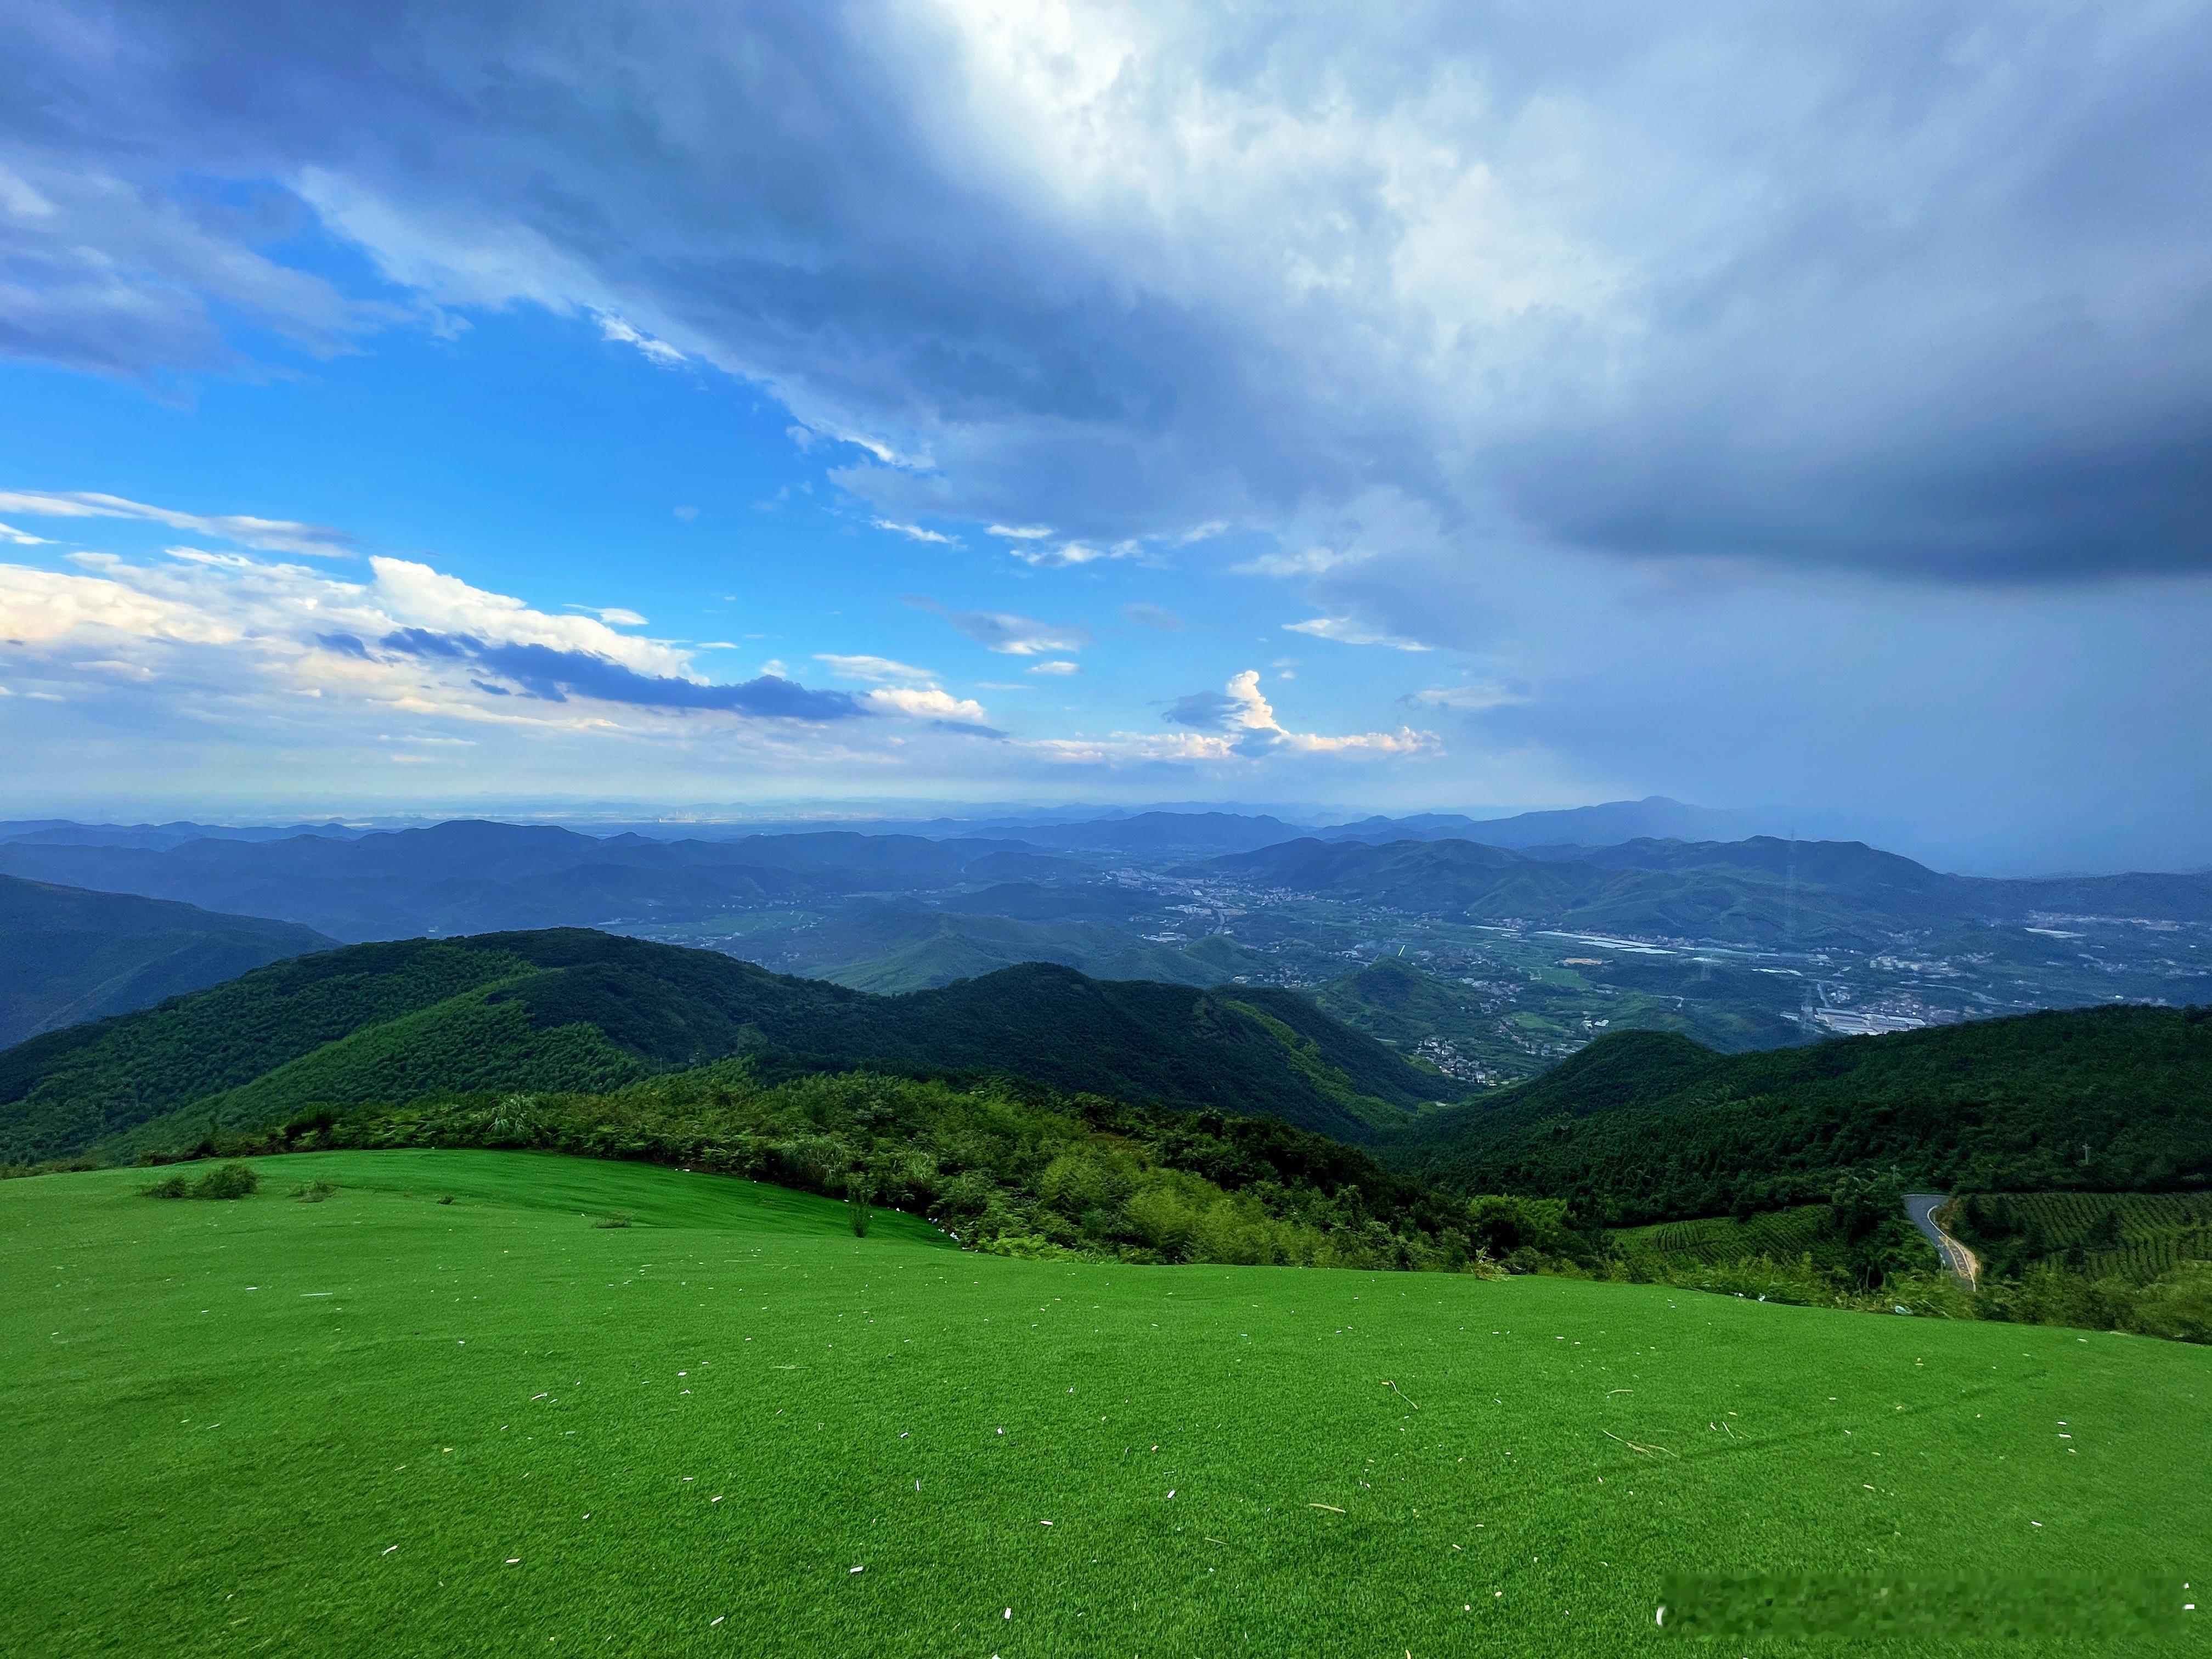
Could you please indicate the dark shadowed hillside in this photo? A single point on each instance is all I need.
(1645, 1125)
(67, 955)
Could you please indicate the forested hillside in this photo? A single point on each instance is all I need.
(67, 955)
(1645, 1126)
(570, 1009)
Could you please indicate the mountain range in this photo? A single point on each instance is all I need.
(574, 1009)
(1762, 891)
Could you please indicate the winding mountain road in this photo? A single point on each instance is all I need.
(1920, 1209)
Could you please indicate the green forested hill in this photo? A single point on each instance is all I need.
(1644, 1125)
(572, 1009)
(68, 955)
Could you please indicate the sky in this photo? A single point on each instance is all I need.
(417, 409)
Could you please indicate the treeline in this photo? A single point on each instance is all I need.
(1646, 1127)
(1001, 1166)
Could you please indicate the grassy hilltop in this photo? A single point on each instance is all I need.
(384, 1424)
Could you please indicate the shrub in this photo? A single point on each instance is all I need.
(224, 1180)
(228, 1181)
(619, 1219)
(860, 1199)
(315, 1192)
(2177, 1304)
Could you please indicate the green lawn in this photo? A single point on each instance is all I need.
(383, 1425)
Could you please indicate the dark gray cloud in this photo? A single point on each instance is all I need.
(1922, 289)
(555, 675)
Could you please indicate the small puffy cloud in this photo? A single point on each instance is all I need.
(1022, 532)
(659, 352)
(1061, 666)
(269, 535)
(1017, 636)
(915, 532)
(1066, 555)
(686, 514)
(928, 703)
(1155, 616)
(1347, 631)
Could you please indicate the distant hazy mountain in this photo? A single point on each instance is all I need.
(67, 955)
(468, 877)
(157, 837)
(1167, 832)
(1575, 826)
(1760, 891)
(569, 1009)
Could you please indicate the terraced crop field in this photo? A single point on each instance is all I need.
(384, 1424)
(2155, 1231)
(1779, 1235)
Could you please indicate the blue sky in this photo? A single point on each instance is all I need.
(959, 402)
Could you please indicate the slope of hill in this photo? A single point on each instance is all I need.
(370, 1448)
(570, 1009)
(1646, 1126)
(67, 955)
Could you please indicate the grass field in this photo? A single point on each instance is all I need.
(380, 1425)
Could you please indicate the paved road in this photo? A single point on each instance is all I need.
(1920, 1209)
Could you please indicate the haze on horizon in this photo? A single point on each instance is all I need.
(411, 410)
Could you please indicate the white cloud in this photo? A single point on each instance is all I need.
(1017, 636)
(1022, 532)
(1485, 693)
(613, 615)
(881, 670)
(269, 535)
(21, 537)
(1346, 631)
(1066, 555)
(1061, 667)
(613, 328)
(1253, 712)
(925, 702)
(915, 532)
